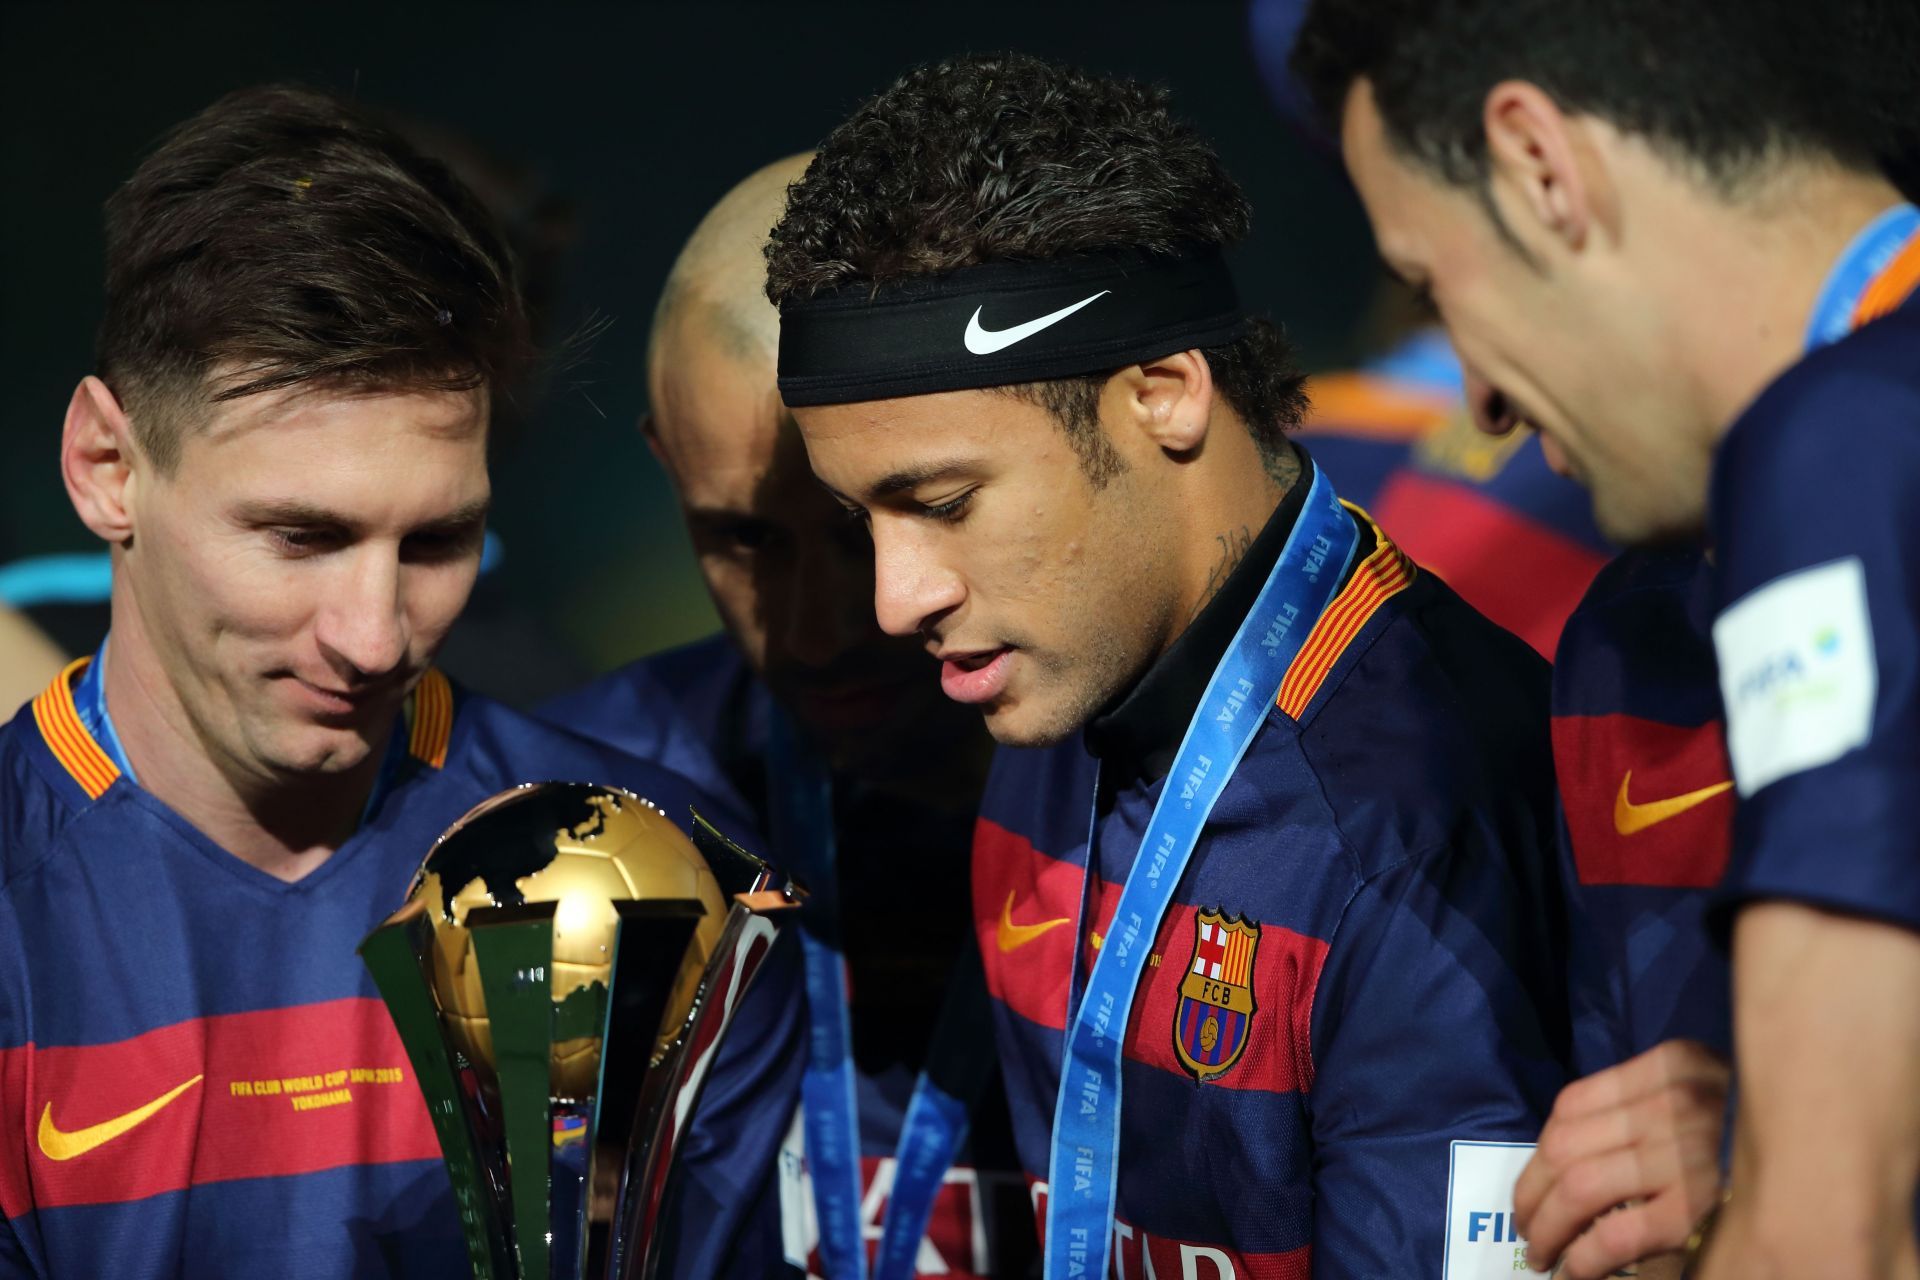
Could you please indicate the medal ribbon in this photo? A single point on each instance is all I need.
(800, 796)
(1083, 1171)
(1875, 272)
(90, 702)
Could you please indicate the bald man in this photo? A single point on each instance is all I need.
(804, 706)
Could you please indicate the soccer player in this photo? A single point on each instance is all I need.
(1485, 513)
(1304, 976)
(792, 578)
(305, 327)
(1662, 236)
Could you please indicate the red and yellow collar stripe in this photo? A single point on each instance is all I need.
(1890, 288)
(429, 718)
(67, 737)
(1382, 575)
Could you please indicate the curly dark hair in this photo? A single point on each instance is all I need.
(1008, 158)
(1721, 86)
(283, 237)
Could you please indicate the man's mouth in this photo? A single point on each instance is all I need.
(1557, 460)
(975, 676)
(326, 701)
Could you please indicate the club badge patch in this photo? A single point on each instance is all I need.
(1215, 1012)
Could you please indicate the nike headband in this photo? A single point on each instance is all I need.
(1004, 322)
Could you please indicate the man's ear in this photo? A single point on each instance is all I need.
(650, 432)
(1534, 162)
(1170, 399)
(98, 461)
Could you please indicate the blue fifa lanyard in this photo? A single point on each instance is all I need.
(1083, 1172)
(90, 701)
(1860, 263)
(800, 797)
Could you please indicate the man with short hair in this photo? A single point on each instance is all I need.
(1661, 235)
(1263, 877)
(306, 325)
(792, 579)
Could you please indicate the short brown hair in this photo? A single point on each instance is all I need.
(282, 237)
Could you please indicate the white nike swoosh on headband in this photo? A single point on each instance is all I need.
(984, 342)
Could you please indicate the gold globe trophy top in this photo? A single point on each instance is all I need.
(608, 846)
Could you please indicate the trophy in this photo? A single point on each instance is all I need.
(561, 975)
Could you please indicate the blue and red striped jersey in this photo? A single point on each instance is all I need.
(1377, 892)
(197, 1076)
(1817, 618)
(1640, 732)
(700, 709)
(1515, 540)
(1641, 756)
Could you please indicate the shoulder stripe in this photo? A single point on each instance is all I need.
(68, 739)
(432, 719)
(1890, 288)
(1383, 574)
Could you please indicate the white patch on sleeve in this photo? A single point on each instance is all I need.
(799, 1229)
(1482, 1241)
(1797, 672)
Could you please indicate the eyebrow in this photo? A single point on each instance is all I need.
(294, 512)
(912, 477)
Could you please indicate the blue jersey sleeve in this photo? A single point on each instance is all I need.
(1817, 629)
(1425, 1037)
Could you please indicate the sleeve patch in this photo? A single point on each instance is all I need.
(1482, 1241)
(1797, 672)
(799, 1230)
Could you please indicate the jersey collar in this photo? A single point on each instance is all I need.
(1138, 734)
(90, 753)
(1876, 272)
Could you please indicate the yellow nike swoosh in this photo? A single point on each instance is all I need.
(57, 1144)
(1012, 937)
(1629, 818)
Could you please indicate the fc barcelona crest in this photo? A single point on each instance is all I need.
(1215, 1012)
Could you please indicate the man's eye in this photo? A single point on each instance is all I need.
(1423, 302)
(740, 536)
(449, 544)
(952, 510)
(303, 540)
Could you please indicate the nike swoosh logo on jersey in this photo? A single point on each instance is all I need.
(58, 1144)
(1011, 936)
(1630, 818)
(984, 342)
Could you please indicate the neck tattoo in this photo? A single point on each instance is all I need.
(1233, 549)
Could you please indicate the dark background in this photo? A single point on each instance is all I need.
(607, 130)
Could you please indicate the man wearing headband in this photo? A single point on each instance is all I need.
(1297, 1008)
(793, 580)
(1662, 235)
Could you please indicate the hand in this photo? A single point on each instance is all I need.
(1644, 1135)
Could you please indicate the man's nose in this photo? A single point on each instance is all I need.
(912, 589)
(828, 600)
(362, 619)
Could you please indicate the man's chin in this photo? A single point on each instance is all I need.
(1013, 722)
(320, 751)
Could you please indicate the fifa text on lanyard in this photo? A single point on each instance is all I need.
(1083, 1171)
